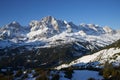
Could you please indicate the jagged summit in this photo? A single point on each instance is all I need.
(107, 29)
(45, 20)
(48, 19)
(14, 24)
(46, 24)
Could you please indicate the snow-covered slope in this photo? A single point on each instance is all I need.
(111, 55)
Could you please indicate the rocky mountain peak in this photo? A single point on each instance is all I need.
(48, 19)
(14, 24)
(107, 29)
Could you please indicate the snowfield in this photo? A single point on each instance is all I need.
(83, 75)
(97, 58)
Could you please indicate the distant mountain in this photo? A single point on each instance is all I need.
(52, 42)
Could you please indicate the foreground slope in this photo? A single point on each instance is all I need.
(109, 54)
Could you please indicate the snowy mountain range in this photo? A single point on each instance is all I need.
(49, 30)
(58, 40)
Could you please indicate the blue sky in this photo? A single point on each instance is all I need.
(101, 12)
